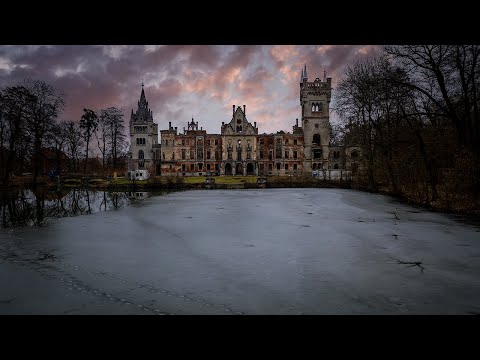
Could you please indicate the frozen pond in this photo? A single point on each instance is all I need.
(265, 251)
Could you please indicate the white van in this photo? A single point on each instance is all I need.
(138, 175)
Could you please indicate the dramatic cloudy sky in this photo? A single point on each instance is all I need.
(202, 81)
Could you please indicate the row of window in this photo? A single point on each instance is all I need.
(166, 142)
(278, 167)
(140, 141)
(286, 142)
(140, 129)
(191, 167)
(316, 107)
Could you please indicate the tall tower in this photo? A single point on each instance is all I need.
(315, 102)
(143, 136)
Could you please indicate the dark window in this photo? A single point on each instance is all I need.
(286, 167)
(270, 167)
(199, 153)
(317, 153)
(295, 142)
(278, 152)
(184, 154)
(173, 156)
(229, 153)
(141, 155)
(316, 139)
(270, 155)
(183, 141)
(200, 166)
(278, 166)
(192, 167)
(216, 141)
(354, 154)
(261, 154)
(192, 154)
(295, 166)
(208, 167)
(286, 154)
(239, 155)
(218, 154)
(295, 154)
(335, 166)
(208, 154)
(217, 168)
(183, 167)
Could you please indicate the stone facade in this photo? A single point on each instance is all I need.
(239, 149)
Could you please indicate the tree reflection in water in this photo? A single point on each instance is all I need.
(25, 207)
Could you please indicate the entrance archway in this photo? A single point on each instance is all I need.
(228, 169)
(239, 169)
(250, 169)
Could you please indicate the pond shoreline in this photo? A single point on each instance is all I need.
(271, 183)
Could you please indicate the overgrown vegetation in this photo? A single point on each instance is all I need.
(414, 112)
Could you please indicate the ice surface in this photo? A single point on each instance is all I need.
(265, 251)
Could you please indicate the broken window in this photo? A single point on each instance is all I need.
(317, 153)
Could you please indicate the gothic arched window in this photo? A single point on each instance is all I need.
(313, 107)
(316, 107)
(316, 139)
(141, 155)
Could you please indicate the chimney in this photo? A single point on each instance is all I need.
(244, 109)
(297, 122)
(201, 127)
(169, 125)
(254, 124)
(233, 109)
(175, 129)
(223, 123)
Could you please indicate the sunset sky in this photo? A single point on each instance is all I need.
(202, 81)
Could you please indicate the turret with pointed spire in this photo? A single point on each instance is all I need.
(143, 113)
(305, 77)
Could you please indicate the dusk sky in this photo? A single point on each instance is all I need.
(202, 81)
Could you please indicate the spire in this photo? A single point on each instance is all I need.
(324, 74)
(142, 95)
(301, 76)
(305, 71)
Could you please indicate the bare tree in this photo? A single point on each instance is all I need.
(89, 124)
(44, 110)
(74, 143)
(17, 103)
